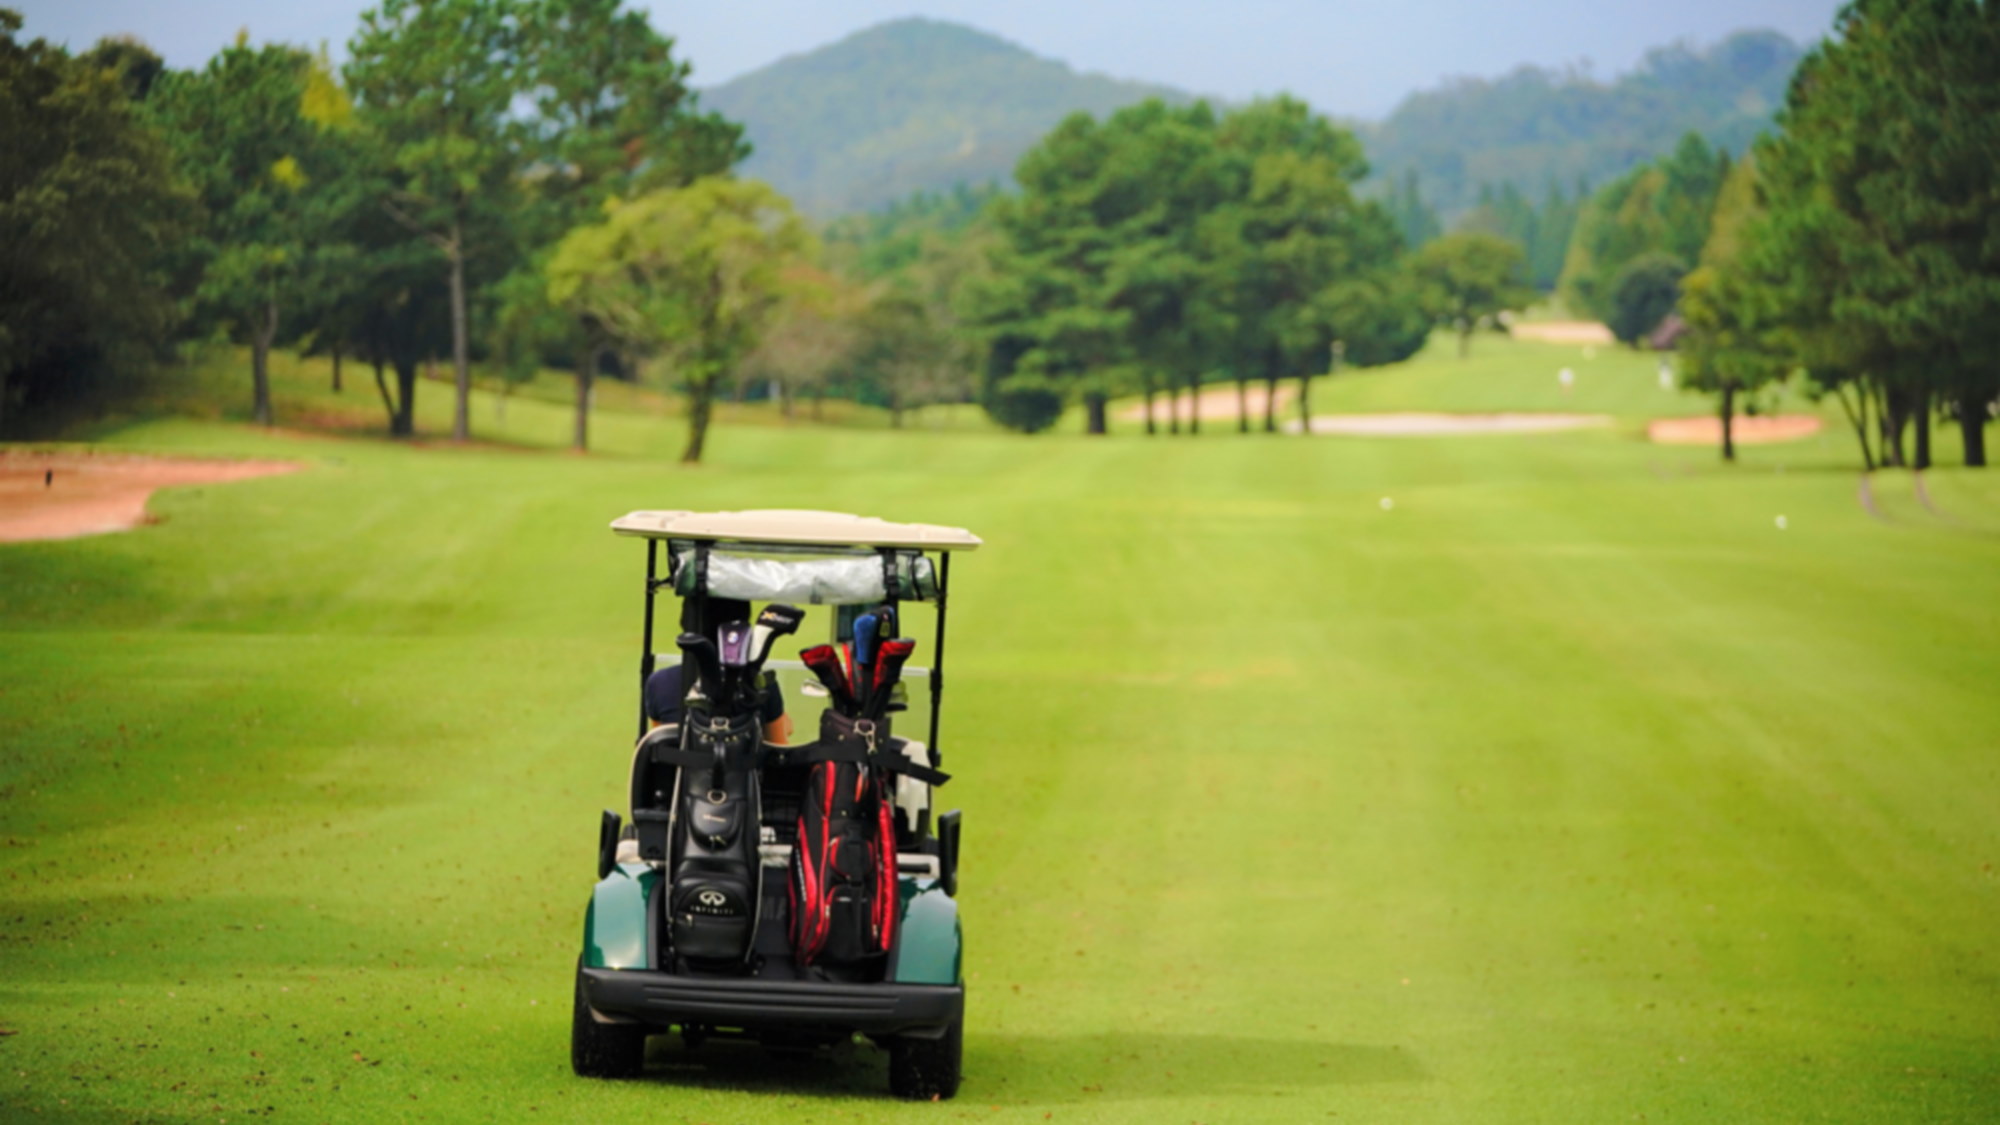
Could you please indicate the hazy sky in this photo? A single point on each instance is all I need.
(1347, 57)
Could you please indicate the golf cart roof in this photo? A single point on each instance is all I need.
(801, 528)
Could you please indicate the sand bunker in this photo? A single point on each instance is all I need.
(65, 495)
(1450, 425)
(1216, 404)
(1563, 332)
(1747, 430)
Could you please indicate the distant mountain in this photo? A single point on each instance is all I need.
(904, 106)
(1536, 127)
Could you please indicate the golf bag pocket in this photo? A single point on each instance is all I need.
(713, 915)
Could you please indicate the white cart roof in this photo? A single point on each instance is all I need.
(820, 529)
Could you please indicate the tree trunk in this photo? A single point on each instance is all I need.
(1194, 404)
(1242, 405)
(785, 397)
(403, 422)
(701, 405)
(1920, 417)
(1094, 421)
(336, 366)
(1894, 413)
(1305, 408)
(1728, 413)
(586, 370)
(1972, 428)
(1857, 416)
(388, 404)
(260, 364)
(1146, 394)
(1464, 337)
(1271, 404)
(461, 413)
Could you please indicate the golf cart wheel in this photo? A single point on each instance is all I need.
(926, 1069)
(603, 1050)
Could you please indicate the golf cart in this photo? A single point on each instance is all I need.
(792, 894)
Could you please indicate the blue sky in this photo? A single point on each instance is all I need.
(1348, 57)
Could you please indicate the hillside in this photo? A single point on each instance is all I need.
(904, 106)
(1535, 127)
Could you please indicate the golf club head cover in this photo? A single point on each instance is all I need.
(777, 620)
(824, 663)
(708, 669)
(843, 872)
(733, 642)
(889, 661)
(862, 654)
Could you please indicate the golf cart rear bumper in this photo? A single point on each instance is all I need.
(876, 1009)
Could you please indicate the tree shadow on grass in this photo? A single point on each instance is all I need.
(1027, 1069)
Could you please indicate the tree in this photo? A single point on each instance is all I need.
(690, 276)
(811, 335)
(904, 351)
(1471, 278)
(241, 136)
(1734, 342)
(614, 117)
(1298, 235)
(1881, 191)
(1046, 313)
(436, 82)
(1661, 207)
(1642, 294)
(89, 205)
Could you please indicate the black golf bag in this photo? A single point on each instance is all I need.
(713, 869)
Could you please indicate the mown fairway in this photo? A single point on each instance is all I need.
(1568, 789)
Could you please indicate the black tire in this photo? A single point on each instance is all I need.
(603, 1050)
(926, 1069)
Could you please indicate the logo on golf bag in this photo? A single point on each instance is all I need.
(712, 898)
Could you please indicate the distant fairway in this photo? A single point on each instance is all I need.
(1567, 788)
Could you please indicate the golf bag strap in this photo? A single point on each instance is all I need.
(896, 763)
(743, 745)
(838, 750)
(858, 751)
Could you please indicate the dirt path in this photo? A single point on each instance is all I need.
(1216, 404)
(1759, 430)
(1563, 332)
(65, 495)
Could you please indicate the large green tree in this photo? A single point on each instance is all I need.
(1734, 343)
(262, 167)
(1469, 279)
(690, 276)
(436, 82)
(614, 117)
(1883, 188)
(89, 204)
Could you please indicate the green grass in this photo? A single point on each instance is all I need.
(1568, 789)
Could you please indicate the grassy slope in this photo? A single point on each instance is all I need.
(1570, 788)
